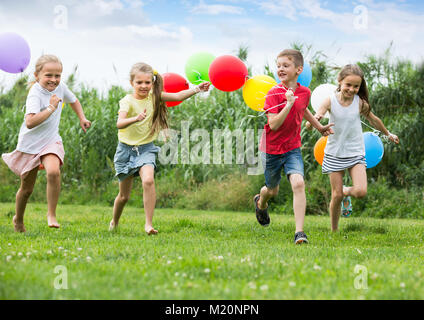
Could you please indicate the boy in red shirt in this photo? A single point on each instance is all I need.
(286, 105)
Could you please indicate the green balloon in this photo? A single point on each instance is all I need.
(197, 67)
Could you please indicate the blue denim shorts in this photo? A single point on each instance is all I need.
(291, 162)
(129, 159)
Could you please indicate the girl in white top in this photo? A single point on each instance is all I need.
(39, 142)
(345, 148)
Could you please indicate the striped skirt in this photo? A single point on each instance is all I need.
(333, 164)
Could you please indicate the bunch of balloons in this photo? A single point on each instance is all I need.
(228, 73)
(374, 149)
(15, 53)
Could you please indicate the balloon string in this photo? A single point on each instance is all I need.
(199, 76)
(377, 132)
(265, 111)
(274, 94)
(266, 82)
(373, 129)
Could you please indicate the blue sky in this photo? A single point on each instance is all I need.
(102, 34)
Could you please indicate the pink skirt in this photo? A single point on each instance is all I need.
(22, 163)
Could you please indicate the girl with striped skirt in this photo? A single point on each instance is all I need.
(345, 149)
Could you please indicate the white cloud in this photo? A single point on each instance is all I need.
(99, 7)
(284, 8)
(215, 9)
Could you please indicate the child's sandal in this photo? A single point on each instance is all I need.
(347, 210)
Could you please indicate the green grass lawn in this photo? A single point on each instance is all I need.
(207, 255)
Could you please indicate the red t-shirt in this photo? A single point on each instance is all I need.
(287, 137)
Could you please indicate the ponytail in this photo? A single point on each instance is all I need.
(160, 114)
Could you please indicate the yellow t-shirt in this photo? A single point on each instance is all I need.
(137, 133)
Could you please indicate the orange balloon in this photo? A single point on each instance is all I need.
(319, 149)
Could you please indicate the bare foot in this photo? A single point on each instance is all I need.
(113, 226)
(150, 230)
(19, 226)
(52, 222)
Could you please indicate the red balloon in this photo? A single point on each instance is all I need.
(173, 82)
(228, 73)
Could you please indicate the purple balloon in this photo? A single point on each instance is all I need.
(14, 53)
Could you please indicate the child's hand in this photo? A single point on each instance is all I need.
(54, 101)
(394, 138)
(327, 130)
(290, 97)
(204, 87)
(85, 124)
(141, 116)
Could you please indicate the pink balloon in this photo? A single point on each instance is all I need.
(228, 73)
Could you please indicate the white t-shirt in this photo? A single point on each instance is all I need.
(34, 140)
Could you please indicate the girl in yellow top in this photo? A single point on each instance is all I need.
(142, 115)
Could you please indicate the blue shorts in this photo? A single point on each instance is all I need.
(291, 162)
(129, 159)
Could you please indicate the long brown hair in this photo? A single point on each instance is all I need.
(353, 69)
(160, 111)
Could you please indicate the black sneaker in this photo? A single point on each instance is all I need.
(300, 237)
(261, 214)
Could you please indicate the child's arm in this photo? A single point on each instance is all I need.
(34, 119)
(185, 94)
(313, 120)
(84, 123)
(376, 122)
(124, 122)
(322, 110)
(275, 120)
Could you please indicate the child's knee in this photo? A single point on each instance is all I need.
(361, 193)
(337, 195)
(298, 184)
(53, 174)
(26, 192)
(123, 198)
(148, 182)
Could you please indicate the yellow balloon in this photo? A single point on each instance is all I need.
(255, 90)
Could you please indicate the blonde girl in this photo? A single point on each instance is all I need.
(142, 115)
(39, 141)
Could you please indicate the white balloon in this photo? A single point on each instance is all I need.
(320, 93)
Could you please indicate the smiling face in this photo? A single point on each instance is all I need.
(287, 70)
(142, 84)
(49, 76)
(350, 86)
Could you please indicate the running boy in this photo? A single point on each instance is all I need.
(286, 105)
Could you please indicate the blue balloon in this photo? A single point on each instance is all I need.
(304, 78)
(374, 149)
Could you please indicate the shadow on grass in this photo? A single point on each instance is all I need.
(361, 227)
